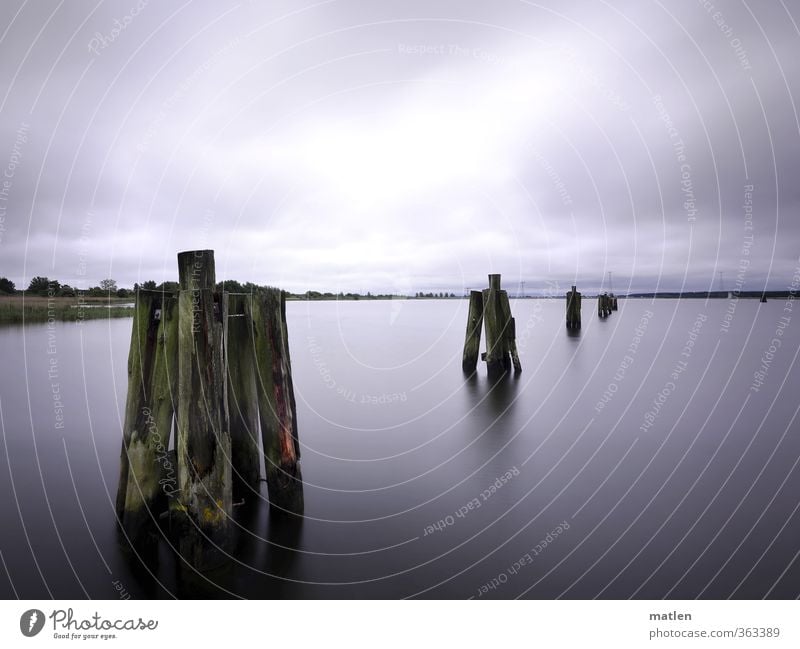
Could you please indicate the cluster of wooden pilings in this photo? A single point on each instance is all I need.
(573, 309)
(491, 309)
(217, 366)
(606, 304)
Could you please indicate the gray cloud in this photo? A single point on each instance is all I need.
(400, 145)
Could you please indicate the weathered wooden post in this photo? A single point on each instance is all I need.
(147, 474)
(472, 340)
(242, 394)
(203, 435)
(510, 330)
(501, 347)
(613, 302)
(603, 305)
(573, 309)
(496, 355)
(277, 410)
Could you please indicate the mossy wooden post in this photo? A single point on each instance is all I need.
(472, 340)
(573, 309)
(242, 396)
(203, 437)
(288, 363)
(497, 352)
(613, 299)
(510, 330)
(276, 403)
(147, 475)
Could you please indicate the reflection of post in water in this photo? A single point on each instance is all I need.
(284, 536)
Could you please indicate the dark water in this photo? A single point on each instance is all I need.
(421, 483)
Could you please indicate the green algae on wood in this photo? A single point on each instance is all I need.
(147, 475)
(472, 339)
(276, 404)
(242, 395)
(203, 435)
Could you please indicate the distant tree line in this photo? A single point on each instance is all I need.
(433, 295)
(44, 287)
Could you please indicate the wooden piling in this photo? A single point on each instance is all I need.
(573, 309)
(499, 329)
(242, 394)
(510, 331)
(613, 299)
(147, 474)
(277, 412)
(472, 339)
(203, 434)
(603, 305)
(288, 364)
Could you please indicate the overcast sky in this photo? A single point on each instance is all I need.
(402, 145)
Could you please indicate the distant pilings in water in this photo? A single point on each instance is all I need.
(573, 309)
(604, 305)
(218, 365)
(491, 306)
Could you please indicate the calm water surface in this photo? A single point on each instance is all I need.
(640, 458)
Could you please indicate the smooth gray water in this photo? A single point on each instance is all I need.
(698, 498)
